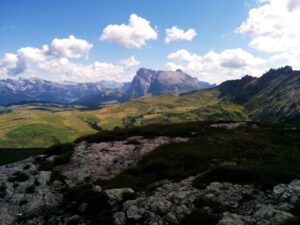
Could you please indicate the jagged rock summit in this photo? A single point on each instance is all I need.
(151, 82)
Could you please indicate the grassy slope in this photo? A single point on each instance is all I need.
(37, 126)
(40, 126)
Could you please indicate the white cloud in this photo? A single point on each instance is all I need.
(133, 35)
(183, 55)
(273, 28)
(79, 72)
(174, 33)
(218, 67)
(54, 59)
(8, 63)
(68, 47)
(130, 63)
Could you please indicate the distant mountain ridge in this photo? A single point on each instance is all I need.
(275, 96)
(26, 90)
(146, 82)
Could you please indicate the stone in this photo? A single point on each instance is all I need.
(294, 186)
(161, 206)
(133, 213)
(172, 218)
(278, 190)
(115, 196)
(119, 218)
(82, 207)
(231, 219)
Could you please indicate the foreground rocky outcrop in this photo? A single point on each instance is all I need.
(237, 204)
(35, 190)
(29, 185)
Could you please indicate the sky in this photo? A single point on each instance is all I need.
(88, 41)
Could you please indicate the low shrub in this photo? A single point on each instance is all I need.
(292, 221)
(129, 196)
(26, 167)
(56, 175)
(133, 142)
(30, 189)
(62, 159)
(23, 202)
(3, 190)
(216, 207)
(200, 217)
(18, 176)
(59, 149)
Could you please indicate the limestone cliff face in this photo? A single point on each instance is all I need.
(157, 83)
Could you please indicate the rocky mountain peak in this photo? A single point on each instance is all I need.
(155, 83)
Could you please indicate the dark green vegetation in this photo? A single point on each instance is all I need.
(12, 155)
(2, 190)
(262, 154)
(18, 176)
(62, 153)
(200, 217)
(98, 211)
(296, 212)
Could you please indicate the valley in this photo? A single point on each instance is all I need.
(274, 97)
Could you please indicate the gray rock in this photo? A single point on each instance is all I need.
(83, 207)
(278, 190)
(172, 218)
(161, 207)
(269, 213)
(133, 213)
(119, 218)
(116, 195)
(231, 219)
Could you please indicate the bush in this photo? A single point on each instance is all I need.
(56, 175)
(18, 176)
(129, 196)
(26, 167)
(2, 190)
(199, 217)
(59, 149)
(133, 142)
(23, 202)
(30, 189)
(216, 207)
(292, 221)
(43, 164)
(296, 210)
(62, 159)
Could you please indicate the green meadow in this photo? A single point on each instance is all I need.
(41, 125)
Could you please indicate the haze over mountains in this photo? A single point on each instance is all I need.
(146, 82)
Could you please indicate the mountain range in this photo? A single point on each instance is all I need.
(273, 97)
(146, 83)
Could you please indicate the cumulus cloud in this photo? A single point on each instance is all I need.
(130, 63)
(217, 67)
(273, 28)
(174, 33)
(68, 47)
(183, 55)
(133, 35)
(8, 63)
(55, 59)
(78, 72)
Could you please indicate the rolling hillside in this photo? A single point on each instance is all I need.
(41, 125)
(274, 97)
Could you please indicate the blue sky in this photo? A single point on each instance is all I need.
(34, 23)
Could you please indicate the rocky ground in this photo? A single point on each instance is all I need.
(33, 194)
